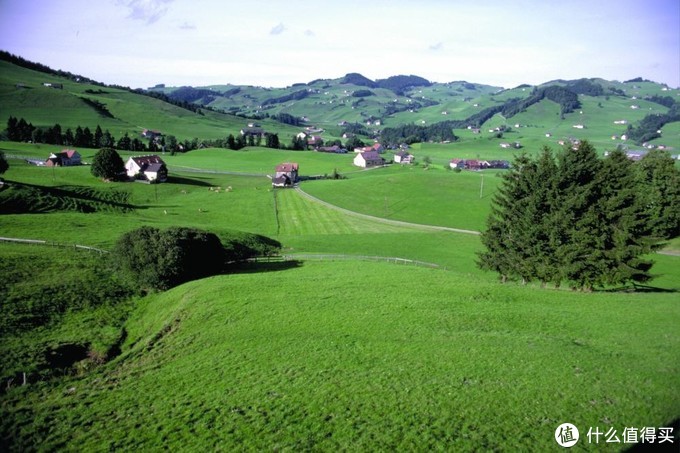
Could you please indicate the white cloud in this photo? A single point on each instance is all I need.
(277, 30)
(148, 11)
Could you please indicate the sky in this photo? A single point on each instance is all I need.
(275, 43)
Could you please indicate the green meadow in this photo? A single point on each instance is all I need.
(324, 353)
(374, 331)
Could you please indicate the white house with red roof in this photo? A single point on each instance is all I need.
(286, 174)
(65, 158)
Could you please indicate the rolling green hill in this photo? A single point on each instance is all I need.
(329, 103)
(23, 95)
(369, 333)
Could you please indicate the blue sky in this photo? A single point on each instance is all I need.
(140, 43)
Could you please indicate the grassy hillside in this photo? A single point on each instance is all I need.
(432, 362)
(345, 352)
(130, 112)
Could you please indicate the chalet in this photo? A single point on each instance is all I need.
(368, 159)
(153, 135)
(150, 168)
(286, 174)
(314, 140)
(253, 131)
(506, 145)
(476, 164)
(502, 164)
(457, 163)
(65, 158)
(302, 136)
(403, 157)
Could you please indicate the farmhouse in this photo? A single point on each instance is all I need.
(476, 164)
(65, 158)
(286, 174)
(314, 140)
(150, 168)
(403, 157)
(254, 130)
(146, 133)
(368, 159)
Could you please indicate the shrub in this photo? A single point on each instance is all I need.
(161, 259)
(107, 164)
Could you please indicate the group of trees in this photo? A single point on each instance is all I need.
(648, 128)
(160, 259)
(19, 130)
(577, 219)
(412, 133)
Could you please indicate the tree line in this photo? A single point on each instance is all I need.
(576, 219)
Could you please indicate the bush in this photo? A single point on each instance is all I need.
(107, 164)
(160, 259)
(157, 259)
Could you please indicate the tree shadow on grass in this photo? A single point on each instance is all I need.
(263, 266)
(638, 289)
(188, 181)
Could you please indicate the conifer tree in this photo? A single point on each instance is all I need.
(505, 236)
(625, 227)
(575, 216)
(659, 183)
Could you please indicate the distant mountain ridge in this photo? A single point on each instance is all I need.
(352, 104)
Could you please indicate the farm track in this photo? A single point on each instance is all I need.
(383, 220)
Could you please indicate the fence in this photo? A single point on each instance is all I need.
(53, 244)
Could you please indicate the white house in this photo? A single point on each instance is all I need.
(152, 168)
(368, 159)
(402, 157)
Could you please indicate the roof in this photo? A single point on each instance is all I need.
(371, 155)
(154, 168)
(69, 153)
(147, 160)
(287, 167)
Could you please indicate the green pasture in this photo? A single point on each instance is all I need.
(364, 356)
(413, 194)
(131, 112)
(261, 161)
(347, 354)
